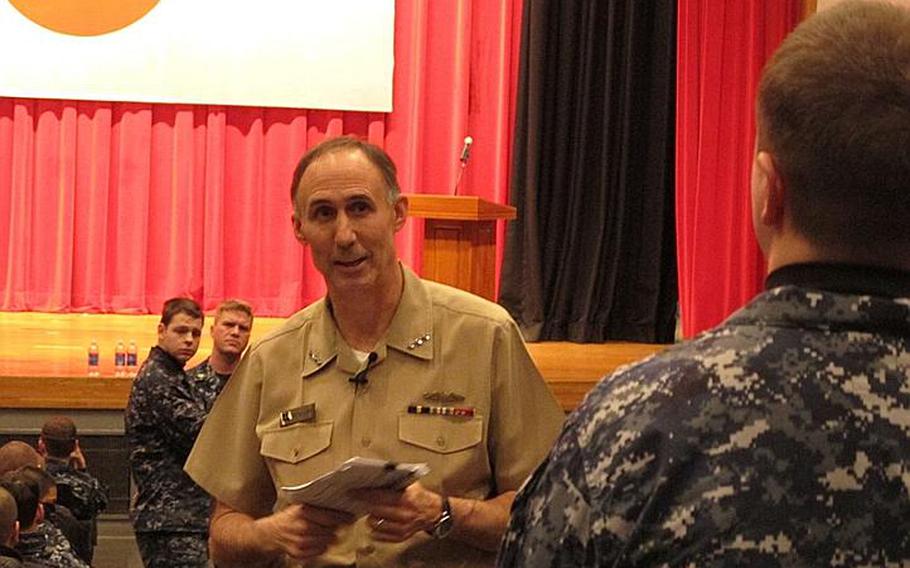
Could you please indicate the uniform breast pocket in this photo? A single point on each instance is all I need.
(295, 454)
(440, 434)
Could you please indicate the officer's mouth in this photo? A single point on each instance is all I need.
(349, 264)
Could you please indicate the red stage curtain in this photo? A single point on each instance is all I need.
(115, 207)
(722, 47)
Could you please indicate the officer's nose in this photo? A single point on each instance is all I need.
(345, 236)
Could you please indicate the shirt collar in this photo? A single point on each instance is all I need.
(165, 358)
(51, 460)
(843, 278)
(410, 332)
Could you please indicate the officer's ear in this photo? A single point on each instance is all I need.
(298, 228)
(401, 211)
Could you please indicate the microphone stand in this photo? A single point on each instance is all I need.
(464, 164)
(465, 155)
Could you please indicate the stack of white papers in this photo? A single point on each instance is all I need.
(330, 491)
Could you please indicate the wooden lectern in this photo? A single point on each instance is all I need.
(459, 243)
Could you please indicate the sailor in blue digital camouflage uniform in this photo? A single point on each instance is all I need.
(39, 542)
(163, 418)
(77, 489)
(230, 336)
(9, 531)
(779, 438)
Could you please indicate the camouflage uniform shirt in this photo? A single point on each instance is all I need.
(85, 496)
(46, 545)
(779, 438)
(9, 558)
(163, 418)
(207, 384)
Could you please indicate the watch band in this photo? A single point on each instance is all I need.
(445, 523)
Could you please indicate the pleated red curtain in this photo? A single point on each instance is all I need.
(722, 47)
(115, 207)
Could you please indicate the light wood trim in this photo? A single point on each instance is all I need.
(101, 393)
(42, 359)
(809, 8)
(457, 207)
(570, 370)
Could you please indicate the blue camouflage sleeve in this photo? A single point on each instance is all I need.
(176, 410)
(551, 515)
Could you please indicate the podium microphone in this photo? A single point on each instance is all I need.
(465, 156)
(466, 151)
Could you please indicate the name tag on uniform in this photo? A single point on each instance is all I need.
(305, 413)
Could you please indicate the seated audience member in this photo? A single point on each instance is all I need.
(387, 366)
(20, 458)
(77, 489)
(782, 436)
(9, 531)
(16, 454)
(77, 533)
(86, 496)
(39, 542)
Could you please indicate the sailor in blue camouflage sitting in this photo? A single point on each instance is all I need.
(78, 490)
(780, 437)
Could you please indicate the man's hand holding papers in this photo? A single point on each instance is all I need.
(333, 490)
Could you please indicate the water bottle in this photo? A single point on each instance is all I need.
(120, 360)
(94, 361)
(132, 359)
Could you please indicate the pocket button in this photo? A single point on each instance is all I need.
(441, 442)
(366, 441)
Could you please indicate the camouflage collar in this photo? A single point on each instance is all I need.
(804, 308)
(7, 552)
(843, 278)
(164, 358)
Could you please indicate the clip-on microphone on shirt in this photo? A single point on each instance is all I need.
(360, 378)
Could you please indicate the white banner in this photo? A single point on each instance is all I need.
(313, 54)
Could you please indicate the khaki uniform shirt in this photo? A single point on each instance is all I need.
(441, 340)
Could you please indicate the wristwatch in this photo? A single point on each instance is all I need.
(445, 523)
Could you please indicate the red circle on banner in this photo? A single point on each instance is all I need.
(84, 17)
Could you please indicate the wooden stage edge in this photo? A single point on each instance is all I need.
(43, 359)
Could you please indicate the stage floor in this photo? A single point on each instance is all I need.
(43, 359)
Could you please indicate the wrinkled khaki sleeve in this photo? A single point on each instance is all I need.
(526, 417)
(225, 460)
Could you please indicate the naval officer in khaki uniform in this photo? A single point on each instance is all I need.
(387, 366)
